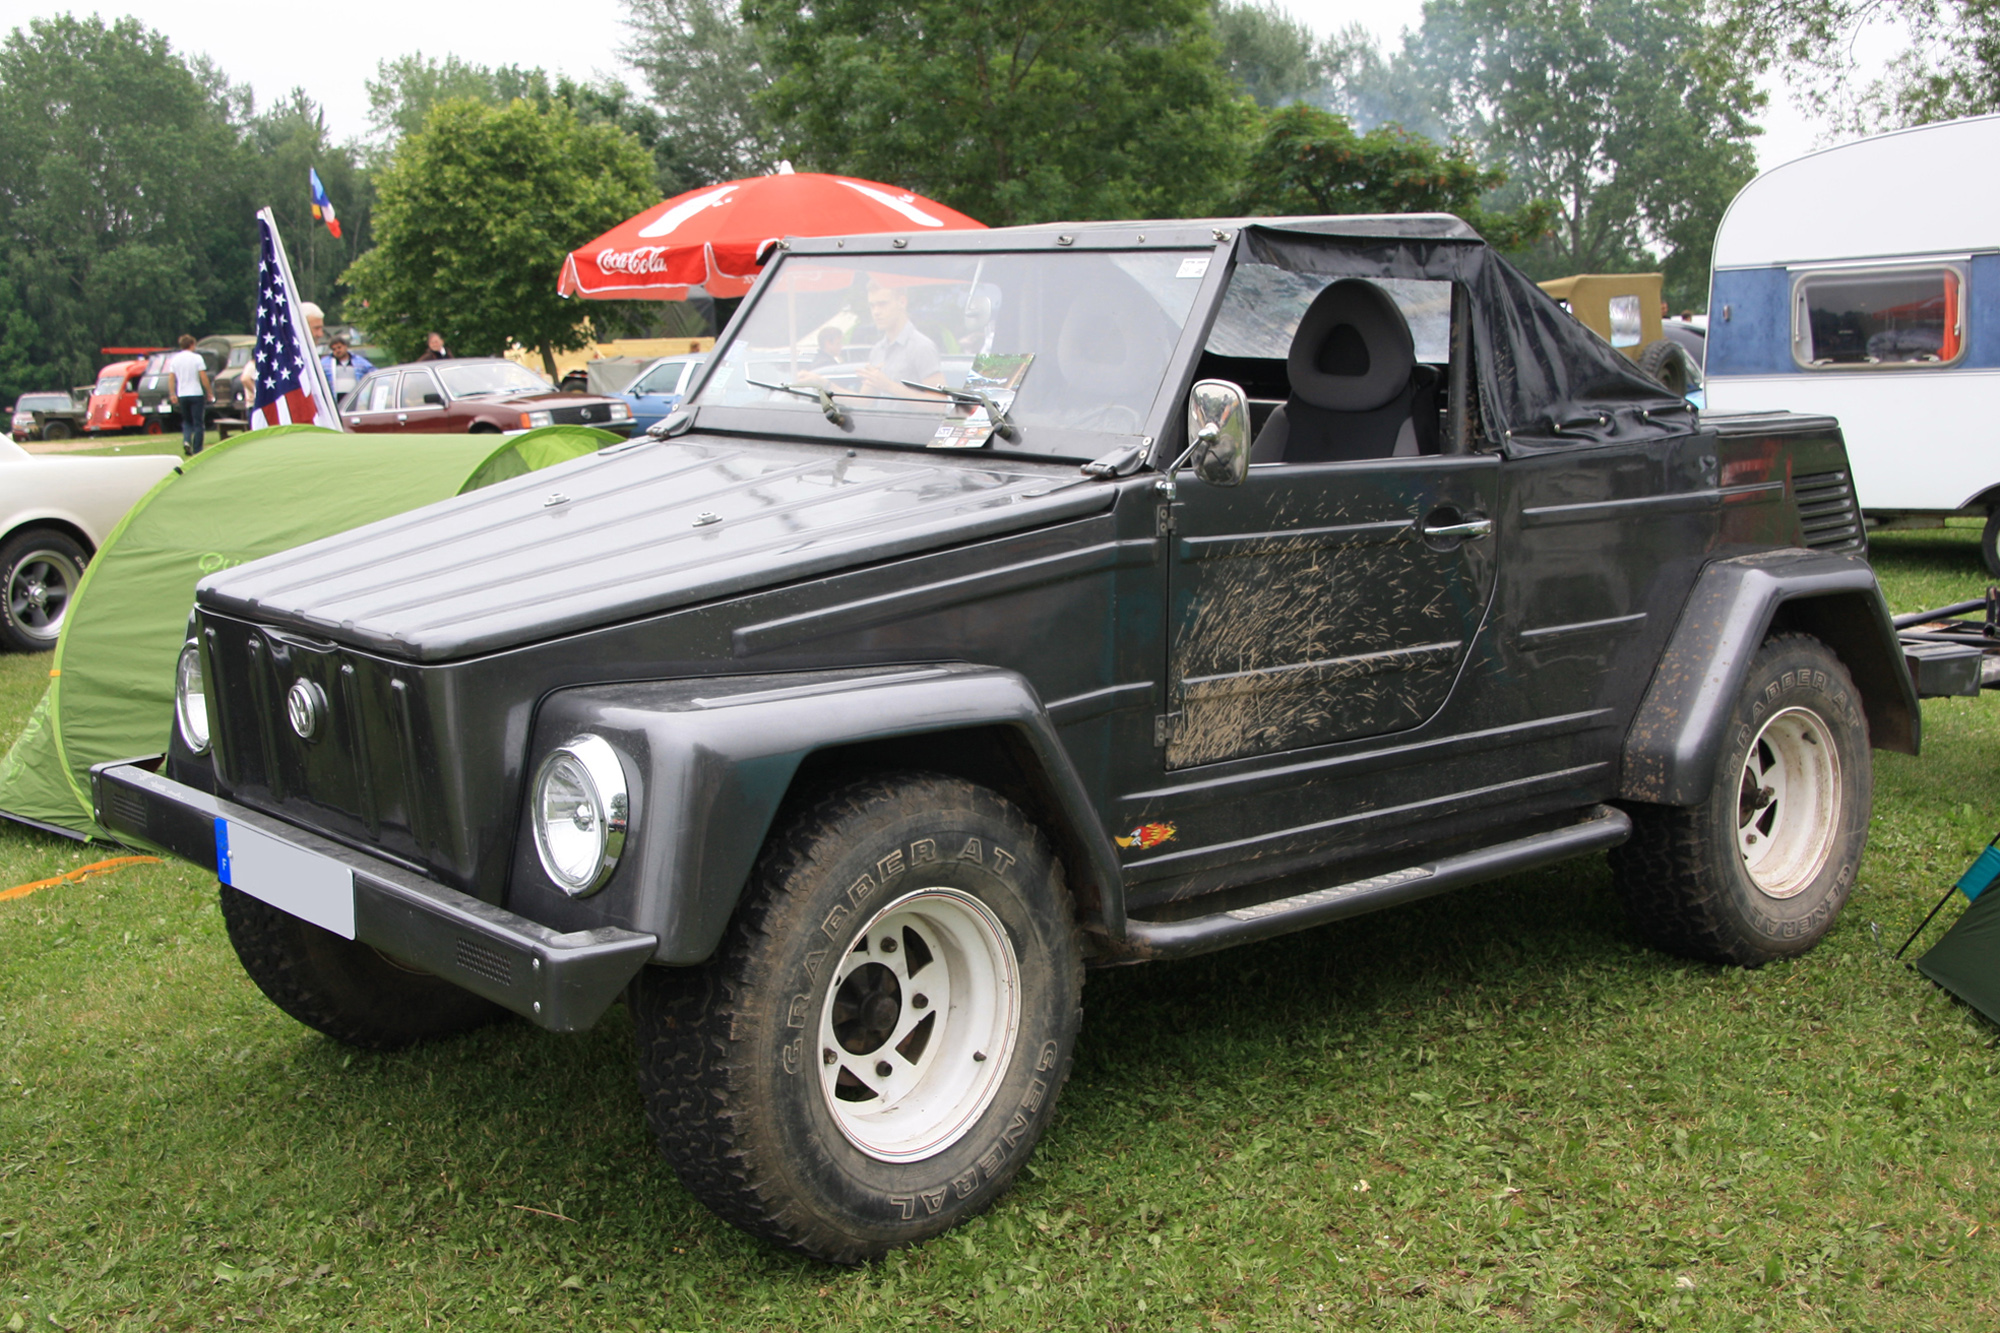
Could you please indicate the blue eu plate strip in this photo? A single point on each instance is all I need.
(223, 853)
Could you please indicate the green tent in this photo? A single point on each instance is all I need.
(110, 693)
(1966, 961)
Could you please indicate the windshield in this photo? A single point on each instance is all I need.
(111, 382)
(42, 402)
(464, 381)
(662, 378)
(1069, 345)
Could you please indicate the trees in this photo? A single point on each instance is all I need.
(706, 69)
(282, 144)
(1628, 115)
(405, 89)
(1271, 55)
(1312, 161)
(1031, 111)
(1950, 68)
(111, 149)
(474, 215)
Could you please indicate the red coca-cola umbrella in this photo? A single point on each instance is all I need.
(719, 235)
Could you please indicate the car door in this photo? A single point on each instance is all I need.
(420, 404)
(1323, 602)
(372, 406)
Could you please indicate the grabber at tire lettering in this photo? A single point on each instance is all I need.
(1759, 870)
(877, 1046)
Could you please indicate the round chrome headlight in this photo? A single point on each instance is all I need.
(581, 813)
(190, 704)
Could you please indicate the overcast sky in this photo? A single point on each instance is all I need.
(330, 49)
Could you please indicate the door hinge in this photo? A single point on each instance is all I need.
(1165, 522)
(1166, 726)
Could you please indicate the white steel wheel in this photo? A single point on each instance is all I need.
(1787, 803)
(919, 1024)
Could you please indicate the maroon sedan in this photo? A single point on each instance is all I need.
(472, 394)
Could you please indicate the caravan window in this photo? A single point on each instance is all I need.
(1879, 317)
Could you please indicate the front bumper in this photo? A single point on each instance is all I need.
(563, 982)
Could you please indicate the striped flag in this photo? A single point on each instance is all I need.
(291, 382)
(323, 206)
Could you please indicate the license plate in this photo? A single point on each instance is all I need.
(311, 887)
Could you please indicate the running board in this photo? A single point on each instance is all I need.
(1606, 827)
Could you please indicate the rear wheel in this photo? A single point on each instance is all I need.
(350, 991)
(1759, 870)
(873, 1052)
(39, 573)
(1989, 543)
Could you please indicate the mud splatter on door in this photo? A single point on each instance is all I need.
(1309, 607)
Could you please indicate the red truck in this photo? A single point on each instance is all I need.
(114, 399)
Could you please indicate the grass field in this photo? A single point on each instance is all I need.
(1489, 1110)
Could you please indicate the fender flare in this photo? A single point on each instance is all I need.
(710, 761)
(1677, 734)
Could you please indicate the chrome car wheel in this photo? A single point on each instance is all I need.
(41, 580)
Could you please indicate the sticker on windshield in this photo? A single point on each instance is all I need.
(1195, 266)
(979, 406)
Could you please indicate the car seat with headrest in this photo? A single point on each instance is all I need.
(1356, 388)
(1110, 346)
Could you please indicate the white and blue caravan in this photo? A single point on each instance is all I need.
(1863, 282)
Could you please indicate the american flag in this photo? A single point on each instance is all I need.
(291, 383)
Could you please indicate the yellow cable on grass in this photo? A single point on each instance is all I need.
(91, 871)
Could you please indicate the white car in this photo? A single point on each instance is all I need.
(54, 514)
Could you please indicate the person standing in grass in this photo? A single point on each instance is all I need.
(191, 387)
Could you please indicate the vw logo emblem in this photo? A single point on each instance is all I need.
(305, 704)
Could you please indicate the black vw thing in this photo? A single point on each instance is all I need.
(1002, 604)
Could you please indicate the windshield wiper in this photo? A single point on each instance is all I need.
(826, 403)
(1003, 425)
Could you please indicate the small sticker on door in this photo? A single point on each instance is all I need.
(1194, 267)
(1148, 836)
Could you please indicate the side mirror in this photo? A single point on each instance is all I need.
(433, 400)
(1219, 432)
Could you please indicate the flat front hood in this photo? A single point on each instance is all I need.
(631, 532)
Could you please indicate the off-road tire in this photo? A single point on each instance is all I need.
(1666, 362)
(56, 430)
(39, 573)
(1989, 544)
(344, 988)
(731, 1063)
(1688, 885)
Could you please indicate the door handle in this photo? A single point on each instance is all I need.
(1470, 529)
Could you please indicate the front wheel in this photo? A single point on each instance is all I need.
(39, 573)
(873, 1052)
(349, 990)
(1759, 870)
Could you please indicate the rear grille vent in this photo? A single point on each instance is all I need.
(484, 960)
(1828, 515)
